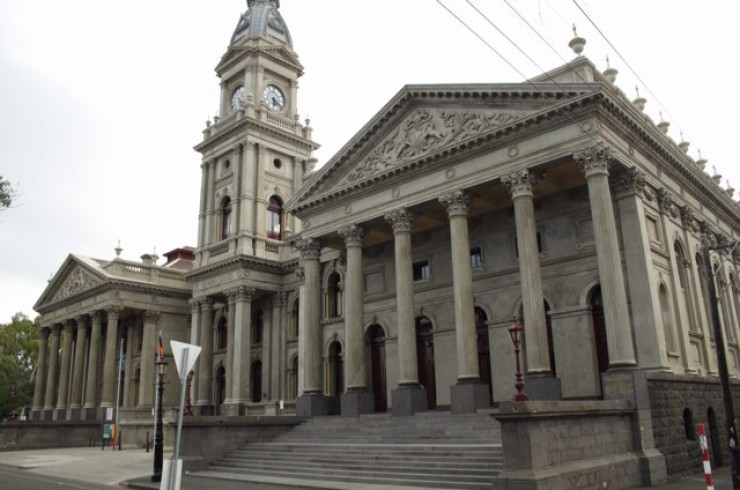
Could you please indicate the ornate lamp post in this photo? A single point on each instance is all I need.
(158, 435)
(516, 338)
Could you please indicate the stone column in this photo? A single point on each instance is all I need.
(541, 384)
(230, 333)
(109, 367)
(51, 377)
(277, 361)
(469, 393)
(195, 340)
(240, 312)
(595, 161)
(409, 397)
(148, 357)
(91, 390)
(356, 399)
(128, 392)
(311, 402)
(205, 401)
(38, 402)
(79, 363)
(63, 392)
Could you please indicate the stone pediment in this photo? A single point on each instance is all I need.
(279, 53)
(73, 279)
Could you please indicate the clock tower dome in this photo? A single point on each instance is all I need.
(255, 151)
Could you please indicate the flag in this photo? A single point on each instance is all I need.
(160, 348)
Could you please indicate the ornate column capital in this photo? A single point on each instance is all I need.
(594, 159)
(56, 330)
(352, 235)
(400, 219)
(152, 316)
(456, 202)
(96, 316)
(206, 304)
(114, 312)
(45, 332)
(520, 183)
(666, 204)
(70, 324)
(300, 273)
(688, 219)
(243, 293)
(279, 299)
(81, 321)
(628, 182)
(309, 248)
(194, 306)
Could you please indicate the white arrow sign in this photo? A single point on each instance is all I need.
(185, 356)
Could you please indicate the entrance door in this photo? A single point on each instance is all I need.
(484, 351)
(256, 381)
(425, 359)
(377, 367)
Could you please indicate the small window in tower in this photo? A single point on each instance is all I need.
(277, 163)
(226, 218)
(421, 270)
(275, 218)
(227, 165)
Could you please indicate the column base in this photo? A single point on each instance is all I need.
(311, 405)
(543, 386)
(74, 413)
(357, 401)
(468, 395)
(409, 399)
(233, 409)
(205, 410)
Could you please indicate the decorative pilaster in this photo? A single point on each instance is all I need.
(91, 389)
(206, 356)
(521, 185)
(38, 402)
(51, 378)
(79, 363)
(109, 367)
(595, 161)
(469, 393)
(148, 357)
(409, 397)
(311, 402)
(357, 399)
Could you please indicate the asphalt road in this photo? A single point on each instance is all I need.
(13, 478)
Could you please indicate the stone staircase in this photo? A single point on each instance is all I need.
(427, 450)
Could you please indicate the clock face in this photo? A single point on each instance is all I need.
(236, 98)
(274, 98)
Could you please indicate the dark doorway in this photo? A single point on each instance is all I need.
(377, 366)
(336, 369)
(220, 385)
(425, 359)
(256, 381)
(715, 449)
(484, 351)
(597, 316)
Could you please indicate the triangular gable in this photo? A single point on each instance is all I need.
(77, 276)
(279, 53)
(421, 121)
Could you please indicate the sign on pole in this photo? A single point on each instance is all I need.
(184, 363)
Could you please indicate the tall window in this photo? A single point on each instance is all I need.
(222, 334)
(226, 218)
(333, 296)
(257, 327)
(294, 317)
(275, 218)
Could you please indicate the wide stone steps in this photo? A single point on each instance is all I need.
(430, 450)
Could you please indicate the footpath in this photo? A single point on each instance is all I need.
(132, 468)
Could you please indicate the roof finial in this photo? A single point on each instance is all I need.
(663, 124)
(683, 145)
(118, 248)
(639, 101)
(577, 43)
(610, 73)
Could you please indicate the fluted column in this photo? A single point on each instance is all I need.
(277, 333)
(469, 393)
(230, 334)
(206, 355)
(128, 392)
(409, 397)
(93, 359)
(63, 393)
(240, 313)
(79, 363)
(311, 402)
(595, 161)
(38, 402)
(51, 378)
(109, 368)
(148, 357)
(357, 399)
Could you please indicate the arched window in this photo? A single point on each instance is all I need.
(333, 296)
(257, 327)
(226, 218)
(275, 218)
(222, 334)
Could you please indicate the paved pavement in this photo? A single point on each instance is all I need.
(133, 467)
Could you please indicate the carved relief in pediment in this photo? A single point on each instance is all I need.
(78, 281)
(425, 132)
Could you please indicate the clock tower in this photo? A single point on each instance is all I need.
(255, 151)
(255, 155)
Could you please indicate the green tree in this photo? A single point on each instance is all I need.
(7, 193)
(19, 350)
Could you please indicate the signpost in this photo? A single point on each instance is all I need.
(185, 356)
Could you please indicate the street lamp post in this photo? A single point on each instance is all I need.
(158, 433)
(515, 331)
(724, 376)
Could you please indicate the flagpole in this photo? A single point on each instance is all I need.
(118, 392)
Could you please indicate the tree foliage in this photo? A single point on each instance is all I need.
(19, 350)
(7, 193)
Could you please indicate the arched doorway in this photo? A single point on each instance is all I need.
(425, 359)
(335, 369)
(599, 323)
(376, 336)
(255, 379)
(484, 351)
(220, 385)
